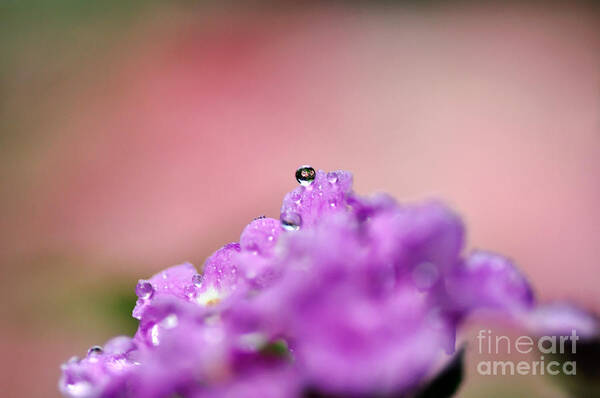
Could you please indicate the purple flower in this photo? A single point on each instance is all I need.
(258, 248)
(175, 281)
(488, 281)
(326, 194)
(220, 276)
(93, 375)
(343, 295)
(560, 319)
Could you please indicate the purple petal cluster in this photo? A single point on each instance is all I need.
(343, 294)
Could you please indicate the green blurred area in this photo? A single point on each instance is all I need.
(43, 44)
(62, 297)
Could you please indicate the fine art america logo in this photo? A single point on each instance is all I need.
(551, 346)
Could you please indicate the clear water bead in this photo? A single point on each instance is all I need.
(95, 350)
(197, 280)
(291, 221)
(144, 289)
(305, 175)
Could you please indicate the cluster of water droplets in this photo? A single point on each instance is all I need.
(305, 175)
(191, 290)
(76, 382)
(290, 220)
(145, 291)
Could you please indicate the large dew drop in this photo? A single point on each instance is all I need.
(305, 175)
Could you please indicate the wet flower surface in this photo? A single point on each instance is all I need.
(344, 295)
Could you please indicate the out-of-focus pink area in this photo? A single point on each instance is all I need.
(195, 123)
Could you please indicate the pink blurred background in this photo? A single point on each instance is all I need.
(140, 135)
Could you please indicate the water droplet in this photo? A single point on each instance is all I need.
(197, 279)
(144, 289)
(291, 221)
(332, 177)
(305, 175)
(425, 275)
(95, 350)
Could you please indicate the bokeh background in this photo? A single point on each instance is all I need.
(140, 134)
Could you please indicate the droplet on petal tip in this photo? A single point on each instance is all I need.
(291, 221)
(95, 350)
(144, 289)
(305, 175)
